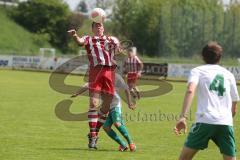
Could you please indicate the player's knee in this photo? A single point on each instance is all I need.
(93, 103)
(105, 109)
(117, 124)
(182, 158)
(106, 129)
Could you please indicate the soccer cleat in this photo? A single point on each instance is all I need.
(122, 148)
(92, 142)
(132, 147)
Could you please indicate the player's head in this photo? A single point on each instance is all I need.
(212, 53)
(97, 29)
(131, 52)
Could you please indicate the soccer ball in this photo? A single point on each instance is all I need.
(98, 15)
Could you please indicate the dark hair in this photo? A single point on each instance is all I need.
(212, 53)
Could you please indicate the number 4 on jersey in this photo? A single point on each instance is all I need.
(218, 85)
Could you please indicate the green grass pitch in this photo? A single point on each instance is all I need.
(30, 130)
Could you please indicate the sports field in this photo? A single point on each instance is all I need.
(30, 130)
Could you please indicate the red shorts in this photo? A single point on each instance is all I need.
(132, 77)
(102, 79)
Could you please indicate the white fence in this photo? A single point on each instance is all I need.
(183, 70)
(80, 65)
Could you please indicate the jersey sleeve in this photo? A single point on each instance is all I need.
(86, 40)
(114, 41)
(194, 76)
(233, 90)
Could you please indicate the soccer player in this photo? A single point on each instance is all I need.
(133, 67)
(217, 102)
(100, 50)
(115, 115)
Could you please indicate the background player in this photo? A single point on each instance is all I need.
(133, 67)
(217, 102)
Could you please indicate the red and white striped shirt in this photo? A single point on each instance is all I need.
(100, 50)
(132, 65)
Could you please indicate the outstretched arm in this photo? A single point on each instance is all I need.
(83, 89)
(76, 38)
(181, 123)
(234, 108)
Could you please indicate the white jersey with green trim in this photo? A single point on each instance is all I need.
(119, 84)
(216, 89)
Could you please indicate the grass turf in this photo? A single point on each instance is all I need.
(29, 128)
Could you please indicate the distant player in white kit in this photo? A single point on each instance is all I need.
(217, 102)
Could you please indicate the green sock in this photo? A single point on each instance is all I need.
(115, 137)
(123, 130)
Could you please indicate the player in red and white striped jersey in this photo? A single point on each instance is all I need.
(100, 50)
(133, 67)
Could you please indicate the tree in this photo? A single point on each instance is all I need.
(40, 16)
(82, 7)
(177, 27)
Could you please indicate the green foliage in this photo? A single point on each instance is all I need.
(41, 16)
(14, 39)
(82, 7)
(178, 27)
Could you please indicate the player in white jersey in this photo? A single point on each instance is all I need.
(217, 101)
(115, 114)
(115, 117)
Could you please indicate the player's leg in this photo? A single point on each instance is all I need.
(131, 81)
(124, 132)
(225, 157)
(93, 118)
(103, 112)
(118, 123)
(198, 138)
(107, 92)
(110, 132)
(93, 113)
(94, 94)
(131, 88)
(134, 84)
(136, 90)
(187, 153)
(224, 139)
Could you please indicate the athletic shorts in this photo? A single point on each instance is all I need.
(114, 116)
(132, 77)
(102, 79)
(222, 135)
